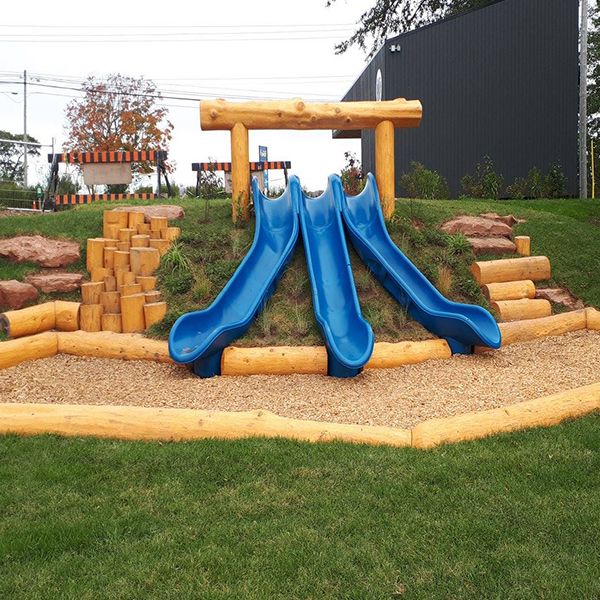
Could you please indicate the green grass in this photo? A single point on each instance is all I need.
(515, 516)
(565, 230)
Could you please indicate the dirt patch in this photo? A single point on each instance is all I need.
(399, 397)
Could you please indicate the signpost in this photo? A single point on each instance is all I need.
(263, 156)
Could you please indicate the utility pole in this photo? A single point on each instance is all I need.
(583, 61)
(25, 127)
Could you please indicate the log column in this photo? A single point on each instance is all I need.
(384, 166)
(240, 174)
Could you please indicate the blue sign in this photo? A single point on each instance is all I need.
(263, 156)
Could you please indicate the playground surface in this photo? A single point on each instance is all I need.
(400, 397)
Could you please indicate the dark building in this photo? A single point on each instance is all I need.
(500, 81)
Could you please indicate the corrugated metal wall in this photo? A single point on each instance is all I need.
(500, 81)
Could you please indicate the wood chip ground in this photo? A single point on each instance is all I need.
(399, 397)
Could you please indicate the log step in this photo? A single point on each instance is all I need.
(520, 310)
(510, 290)
(534, 268)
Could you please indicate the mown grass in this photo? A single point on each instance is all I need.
(516, 516)
(565, 230)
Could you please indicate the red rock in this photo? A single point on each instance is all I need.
(171, 211)
(492, 245)
(52, 281)
(509, 220)
(559, 296)
(43, 251)
(14, 294)
(476, 227)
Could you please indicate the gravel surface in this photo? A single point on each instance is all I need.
(399, 397)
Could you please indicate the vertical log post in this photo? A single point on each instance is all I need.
(240, 174)
(384, 166)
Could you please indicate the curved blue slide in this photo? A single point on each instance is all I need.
(348, 337)
(200, 337)
(462, 325)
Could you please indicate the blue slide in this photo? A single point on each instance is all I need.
(199, 337)
(462, 325)
(348, 337)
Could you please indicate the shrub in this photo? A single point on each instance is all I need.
(555, 183)
(424, 183)
(485, 183)
(531, 186)
(352, 175)
(444, 280)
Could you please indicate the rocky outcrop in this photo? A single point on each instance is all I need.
(53, 281)
(492, 245)
(559, 296)
(14, 294)
(477, 227)
(509, 220)
(37, 249)
(171, 211)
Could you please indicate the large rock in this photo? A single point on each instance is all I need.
(43, 251)
(509, 220)
(171, 211)
(559, 296)
(476, 227)
(55, 281)
(14, 294)
(492, 245)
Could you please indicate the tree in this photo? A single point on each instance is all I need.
(118, 113)
(391, 17)
(11, 156)
(593, 84)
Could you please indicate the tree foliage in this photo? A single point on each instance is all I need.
(11, 156)
(391, 17)
(118, 113)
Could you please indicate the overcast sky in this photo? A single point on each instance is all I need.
(232, 49)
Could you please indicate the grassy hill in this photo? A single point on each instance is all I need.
(565, 230)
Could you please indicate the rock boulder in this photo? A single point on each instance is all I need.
(559, 296)
(509, 220)
(477, 227)
(171, 211)
(14, 294)
(492, 245)
(55, 281)
(37, 249)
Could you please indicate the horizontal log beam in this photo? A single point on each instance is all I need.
(31, 347)
(175, 424)
(28, 321)
(510, 290)
(592, 319)
(535, 268)
(525, 308)
(541, 412)
(297, 114)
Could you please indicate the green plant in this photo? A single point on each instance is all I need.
(485, 182)
(555, 182)
(424, 183)
(352, 175)
(459, 244)
(444, 280)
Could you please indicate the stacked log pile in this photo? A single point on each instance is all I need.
(509, 285)
(121, 295)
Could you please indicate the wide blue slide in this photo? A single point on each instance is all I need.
(462, 325)
(348, 337)
(200, 337)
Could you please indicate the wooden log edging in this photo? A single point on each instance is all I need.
(177, 424)
(58, 314)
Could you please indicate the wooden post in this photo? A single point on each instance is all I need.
(90, 292)
(148, 282)
(170, 233)
(161, 245)
(111, 322)
(144, 261)
(384, 167)
(136, 218)
(240, 174)
(90, 317)
(132, 313)
(111, 302)
(139, 241)
(95, 253)
(523, 244)
(154, 312)
(109, 259)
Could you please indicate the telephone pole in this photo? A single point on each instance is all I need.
(25, 127)
(583, 60)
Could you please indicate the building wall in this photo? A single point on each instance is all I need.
(500, 81)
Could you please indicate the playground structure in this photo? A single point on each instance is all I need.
(103, 167)
(240, 117)
(254, 168)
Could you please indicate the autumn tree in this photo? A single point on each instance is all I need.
(11, 155)
(391, 17)
(118, 113)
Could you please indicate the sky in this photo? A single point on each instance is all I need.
(232, 49)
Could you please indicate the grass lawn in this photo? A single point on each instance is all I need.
(565, 230)
(515, 516)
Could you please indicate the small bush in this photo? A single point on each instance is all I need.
(485, 182)
(444, 280)
(555, 183)
(424, 183)
(352, 175)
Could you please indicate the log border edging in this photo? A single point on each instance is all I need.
(178, 424)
